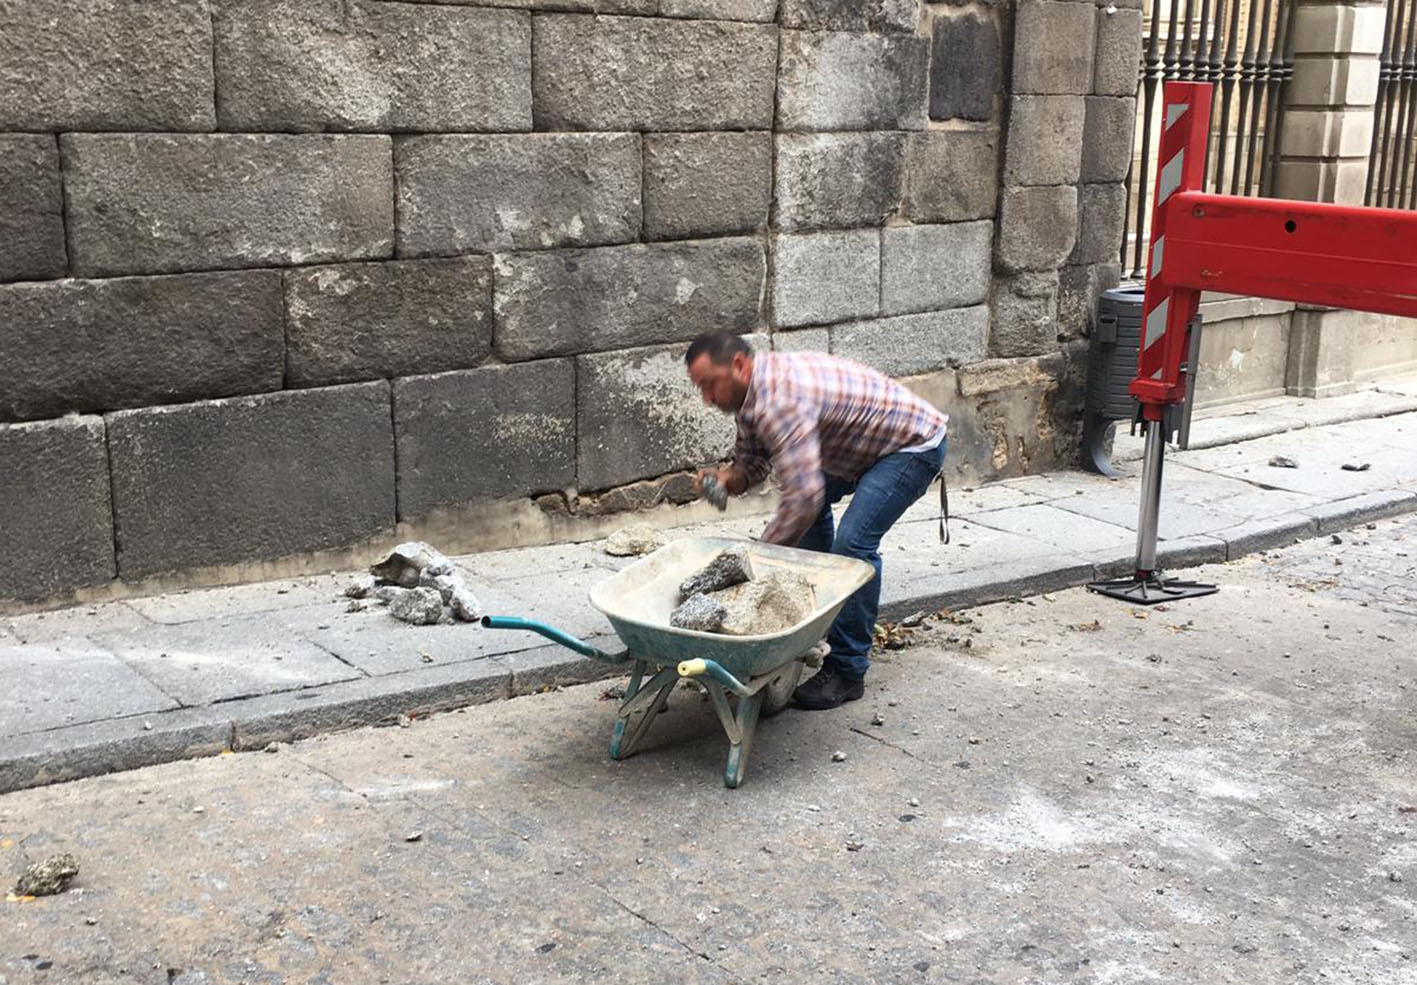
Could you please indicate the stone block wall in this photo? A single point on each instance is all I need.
(284, 277)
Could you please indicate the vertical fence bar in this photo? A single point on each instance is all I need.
(1247, 75)
(1227, 88)
(1187, 67)
(1280, 74)
(1215, 148)
(1388, 67)
(1150, 77)
(1409, 106)
(1257, 106)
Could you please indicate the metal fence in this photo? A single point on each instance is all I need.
(1244, 48)
(1392, 159)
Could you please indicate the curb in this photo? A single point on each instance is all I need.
(75, 752)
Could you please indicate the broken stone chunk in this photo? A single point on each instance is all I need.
(699, 612)
(48, 878)
(465, 605)
(420, 606)
(730, 568)
(634, 540)
(1280, 462)
(774, 602)
(360, 587)
(444, 585)
(409, 561)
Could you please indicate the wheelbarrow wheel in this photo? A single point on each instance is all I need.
(777, 693)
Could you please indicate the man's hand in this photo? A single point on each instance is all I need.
(730, 477)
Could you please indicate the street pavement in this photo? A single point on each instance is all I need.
(1057, 789)
(96, 688)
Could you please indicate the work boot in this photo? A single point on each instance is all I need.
(829, 689)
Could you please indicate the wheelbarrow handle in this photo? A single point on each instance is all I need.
(555, 635)
(714, 670)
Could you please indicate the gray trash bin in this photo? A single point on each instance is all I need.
(1111, 367)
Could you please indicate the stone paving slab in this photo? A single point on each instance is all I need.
(45, 687)
(1120, 507)
(1066, 531)
(238, 600)
(206, 662)
(81, 621)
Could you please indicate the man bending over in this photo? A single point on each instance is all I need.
(830, 427)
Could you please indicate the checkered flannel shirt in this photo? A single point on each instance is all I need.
(811, 415)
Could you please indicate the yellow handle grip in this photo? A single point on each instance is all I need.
(692, 668)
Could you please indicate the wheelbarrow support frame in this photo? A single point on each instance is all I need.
(645, 699)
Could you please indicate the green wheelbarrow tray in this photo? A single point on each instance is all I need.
(745, 676)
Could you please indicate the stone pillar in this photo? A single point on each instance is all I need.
(1328, 123)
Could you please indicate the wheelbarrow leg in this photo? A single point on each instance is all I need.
(651, 697)
(747, 722)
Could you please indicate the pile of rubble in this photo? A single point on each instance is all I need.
(726, 597)
(419, 585)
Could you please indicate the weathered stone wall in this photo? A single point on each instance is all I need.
(282, 277)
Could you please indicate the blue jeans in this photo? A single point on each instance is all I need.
(881, 495)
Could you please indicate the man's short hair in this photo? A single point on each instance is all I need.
(721, 347)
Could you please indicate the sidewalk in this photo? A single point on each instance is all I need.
(124, 684)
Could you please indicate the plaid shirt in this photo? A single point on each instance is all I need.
(813, 415)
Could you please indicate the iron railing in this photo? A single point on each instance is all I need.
(1244, 48)
(1392, 159)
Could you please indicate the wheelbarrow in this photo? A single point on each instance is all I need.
(746, 677)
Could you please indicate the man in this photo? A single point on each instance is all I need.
(830, 427)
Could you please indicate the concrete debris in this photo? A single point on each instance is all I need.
(729, 568)
(444, 585)
(1280, 462)
(48, 878)
(699, 612)
(913, 620)
(407, 564)
(409, 581)
(838, 757)
(465, 606)
(775, 602)
(420, 606)
(360, 587)
(633, 541)
(1356, 466)
(878, 719)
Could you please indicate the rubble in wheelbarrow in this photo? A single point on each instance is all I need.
(699, 612)
(730, 567)
(725, 597)
(777, 601)
(417, 582)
